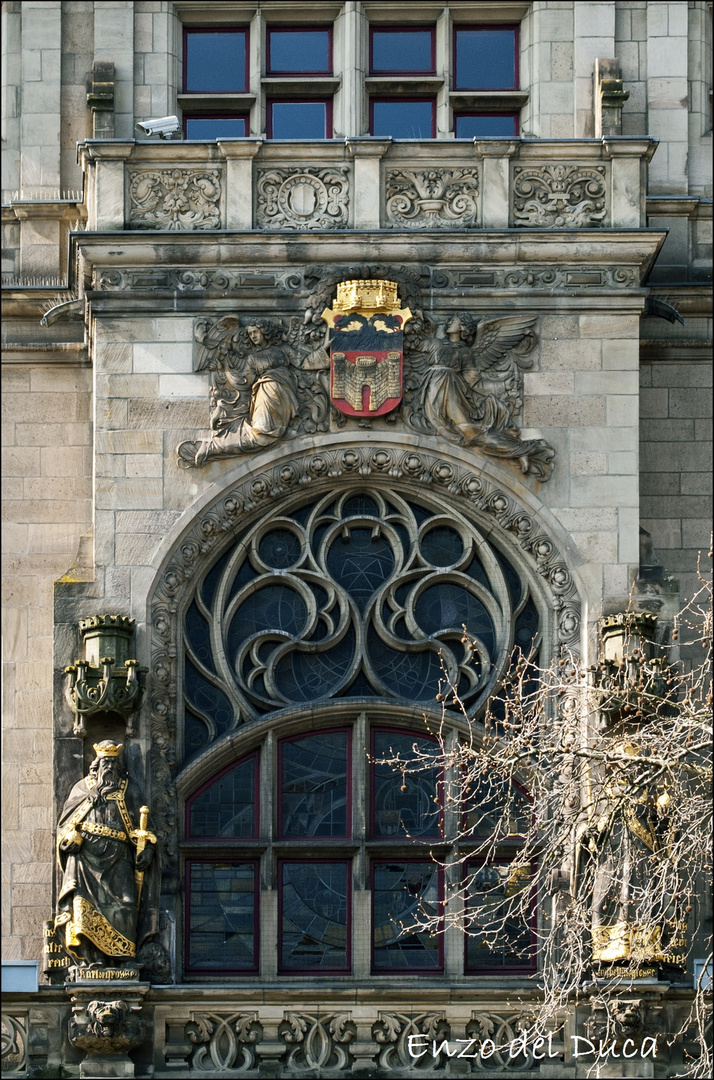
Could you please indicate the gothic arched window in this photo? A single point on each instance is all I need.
(315, 642)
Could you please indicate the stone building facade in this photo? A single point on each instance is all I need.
(554, 415)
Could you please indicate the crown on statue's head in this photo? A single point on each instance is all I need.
(107, 748)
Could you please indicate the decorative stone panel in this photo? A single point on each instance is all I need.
(302, 198)
(559, 196)
(222, 1042)
(176, 199)
(317, 1042)
(431, 198)
(394, 1032)
(15, 1043)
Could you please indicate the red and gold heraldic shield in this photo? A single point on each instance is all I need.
(366, 351)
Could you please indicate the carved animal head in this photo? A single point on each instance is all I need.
(155, 962)
(107, 1017)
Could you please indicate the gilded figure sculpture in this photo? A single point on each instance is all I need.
(107, 901)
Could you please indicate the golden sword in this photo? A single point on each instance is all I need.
(142, 836)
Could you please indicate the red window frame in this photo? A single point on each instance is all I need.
(217, 116)
(504, 969)
(347, 969)
(401, 98)
(255, 755)
(348, 791)
(294, 28)
(379, 730)
(515, 116)
(402, 29)
(439, 969)
(516, 57)
(208, 972)
(327, 102)
(216, 30)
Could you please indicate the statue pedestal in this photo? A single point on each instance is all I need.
(106, 1023)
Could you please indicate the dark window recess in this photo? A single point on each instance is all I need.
(298, 50)
(486, 58)
(215, 61)
(404, 804)
(485, 125)
(314, 786)
(403, 118)
(215, 127)
(404, 894)
(497, 938)
(314, 901)
(222, 916)
(226, 806)
(403, 51)
(299, 120)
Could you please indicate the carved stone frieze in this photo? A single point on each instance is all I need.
(393, 1032)
(15, 1043)
(195, 281)
(222, 1042)
(559, 196)
(317, 1042)
(431, 198)
(320, 469)
(302, 198)
(176, 199)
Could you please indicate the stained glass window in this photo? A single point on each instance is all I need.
(227, 806)
(313, 789)
(314, 909)
(222, 911)
(406, 804)
(497, 937)
(403, 893)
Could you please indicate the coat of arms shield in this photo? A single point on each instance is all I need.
(366, 350)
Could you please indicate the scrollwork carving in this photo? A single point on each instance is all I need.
(15, 1044)
(223, 1042)
(317, 1042)
(495, 1037)
(559, 196)
(431, 198)
(393, 1031)
(304, 198)
(175, 199)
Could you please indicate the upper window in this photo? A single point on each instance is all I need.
(215, 61)
(299, 50)
(408, 50)
(293, 119)
(479, 125)
(485, 57)
(313, 792)
(201, 126)
(403, 118)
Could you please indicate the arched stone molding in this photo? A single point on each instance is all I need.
(498, 504)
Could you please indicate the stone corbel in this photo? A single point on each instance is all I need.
(609, 97)
(107, 1025)
(100, 98)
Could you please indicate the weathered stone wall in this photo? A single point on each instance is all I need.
(47, 470)
(676, 463)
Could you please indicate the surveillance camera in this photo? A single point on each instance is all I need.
(165, 127)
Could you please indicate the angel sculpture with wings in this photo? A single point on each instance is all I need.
(458, 382)
(258, 389)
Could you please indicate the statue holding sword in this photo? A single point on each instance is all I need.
(106, 906)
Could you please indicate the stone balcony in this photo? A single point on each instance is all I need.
(366, 183)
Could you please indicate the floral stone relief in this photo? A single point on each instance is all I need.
(305, 198)
(431, 198)
(175, 199)
(559, 196)
(271, 381)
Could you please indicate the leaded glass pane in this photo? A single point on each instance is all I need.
(360, 562)
(497, 937)
(227, 806)
(403, 894)
(313, 796)
(314, 916)
(222, 916)
(404, 804)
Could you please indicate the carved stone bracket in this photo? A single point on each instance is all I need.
(107, 1029)
(303, 198)
(559, 196)
(431, 198)
(175, 199)
(318, 470)
(97, 685)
